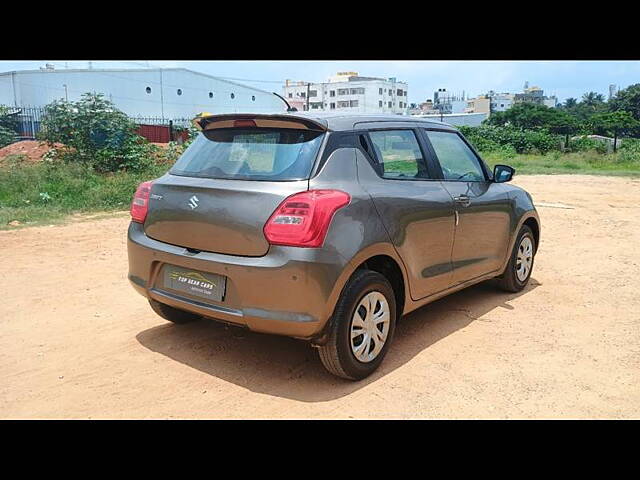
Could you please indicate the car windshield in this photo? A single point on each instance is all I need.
(276, 154)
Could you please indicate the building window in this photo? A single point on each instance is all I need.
(210, 94)
(353, 103)
(344, 104)
(233, 95)
(179, 92)
(380, 91)
(303, 94)
(313, 93)
(332, 93)
(148, 89)
(357, 91)
(399, 92)
(290, 95)
(343, 91)
(389, 104)
(380, 103)
(253, 98)
(332, 106)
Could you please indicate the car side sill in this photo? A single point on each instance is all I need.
(415, 304)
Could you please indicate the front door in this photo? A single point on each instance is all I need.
(482, 208)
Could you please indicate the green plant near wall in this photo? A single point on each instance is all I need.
(487, 138)
(6, 136)
(95, 133)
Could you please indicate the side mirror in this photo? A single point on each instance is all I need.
(503, 173)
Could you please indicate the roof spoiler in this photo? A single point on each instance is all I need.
(209, 121)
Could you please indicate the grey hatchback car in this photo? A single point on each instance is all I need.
(326, 228)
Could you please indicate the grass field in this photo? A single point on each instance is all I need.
(46, 193)
(591, 163)
(38, 193)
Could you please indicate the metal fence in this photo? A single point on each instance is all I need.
(28, 120)
(159, 129)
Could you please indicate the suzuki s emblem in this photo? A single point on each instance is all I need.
(193, 202)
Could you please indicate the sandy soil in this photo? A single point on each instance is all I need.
(77, 342)
(33, 150)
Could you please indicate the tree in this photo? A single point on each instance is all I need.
(563, 123)
(614, 122)
(592, 99)
(524, 116)
(627, 100)
(570, 103)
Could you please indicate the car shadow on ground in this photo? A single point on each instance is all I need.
(290, 368)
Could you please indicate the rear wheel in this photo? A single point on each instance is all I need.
(362, 327)
(518, 271)
(172, 314)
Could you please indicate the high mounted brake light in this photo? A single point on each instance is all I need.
(303, 219)
(140, 203)
(244, 123)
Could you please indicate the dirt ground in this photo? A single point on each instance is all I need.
(32, 150)
(77, 342)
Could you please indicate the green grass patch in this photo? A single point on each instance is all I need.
(592, 163)
(46, 192)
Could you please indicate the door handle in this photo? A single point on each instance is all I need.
(463, 200)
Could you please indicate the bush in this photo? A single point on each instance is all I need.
(585, 144)
(6, 136)
(488, 138)
(7, 121)
(95, 133)
(629, 151)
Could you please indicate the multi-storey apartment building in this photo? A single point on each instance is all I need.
(349, 92)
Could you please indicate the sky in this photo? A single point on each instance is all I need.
(561, 78)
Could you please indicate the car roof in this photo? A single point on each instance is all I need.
(343, 121)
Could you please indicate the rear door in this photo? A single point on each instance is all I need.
(414, 207)
(220, 193)
(482, 207)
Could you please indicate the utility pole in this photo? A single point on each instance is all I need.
(161, 97)
(66, 95)
(308, 86)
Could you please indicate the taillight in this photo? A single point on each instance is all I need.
(140, 203)
(302, 220)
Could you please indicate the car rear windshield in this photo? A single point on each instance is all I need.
(276, 154)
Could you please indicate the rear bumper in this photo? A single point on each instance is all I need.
(286, 292)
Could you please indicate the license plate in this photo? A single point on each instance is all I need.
(200, 284)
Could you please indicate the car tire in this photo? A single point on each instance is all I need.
(515, 278)
(365, 287)
(172, 314)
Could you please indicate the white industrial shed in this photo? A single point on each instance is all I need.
(151, 92)
(456, 119)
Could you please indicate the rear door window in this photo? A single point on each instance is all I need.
(275, 154)
(457, 160)
(398, 154)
